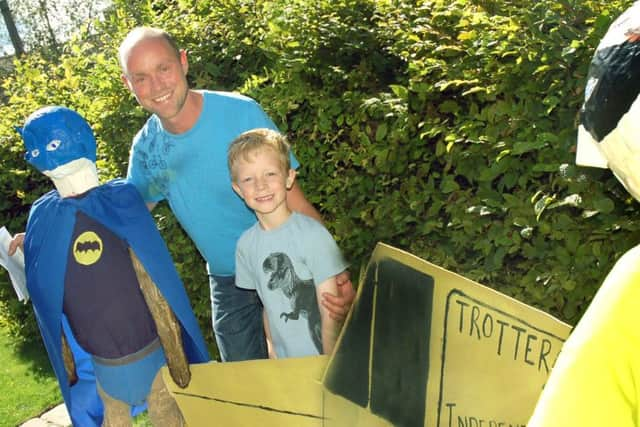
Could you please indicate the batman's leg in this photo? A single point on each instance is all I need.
(69, 362)
(163, 409)
(116, 412)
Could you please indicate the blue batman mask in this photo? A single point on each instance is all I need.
(55, 136)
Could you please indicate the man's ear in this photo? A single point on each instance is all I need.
(291, 178)
(184, 62)
(126, 82)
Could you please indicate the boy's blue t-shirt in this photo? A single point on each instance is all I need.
(285, 265)
(190, 171)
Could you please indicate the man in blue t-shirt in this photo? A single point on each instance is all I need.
(180, 156)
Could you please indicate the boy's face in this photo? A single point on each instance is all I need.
(262, 181)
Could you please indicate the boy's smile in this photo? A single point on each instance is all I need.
(262, 182)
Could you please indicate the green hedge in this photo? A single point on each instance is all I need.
(445, 128)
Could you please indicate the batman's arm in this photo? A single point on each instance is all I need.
(168, 327)
(69, 362)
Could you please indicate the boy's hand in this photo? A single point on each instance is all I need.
(339, 305)
(16, 242)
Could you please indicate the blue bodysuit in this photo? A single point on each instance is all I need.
(118, 206)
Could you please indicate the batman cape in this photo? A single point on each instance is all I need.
(119, 207)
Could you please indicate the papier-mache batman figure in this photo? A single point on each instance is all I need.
(596, 379)
(105, 292)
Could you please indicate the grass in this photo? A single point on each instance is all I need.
(28, 387)
(27, 384)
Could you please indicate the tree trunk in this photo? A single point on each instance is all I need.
(11, 28)
(44, 13)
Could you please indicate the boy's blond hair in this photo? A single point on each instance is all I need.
(254, 140)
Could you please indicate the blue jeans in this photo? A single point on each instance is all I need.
(237, 321)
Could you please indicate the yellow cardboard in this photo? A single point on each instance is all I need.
(422, 346)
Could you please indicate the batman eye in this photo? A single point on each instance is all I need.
(35, 152)
(53, 145)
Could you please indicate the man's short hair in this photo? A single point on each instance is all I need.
(143, 33)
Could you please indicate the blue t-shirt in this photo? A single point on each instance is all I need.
(285, 265)
(190, 171)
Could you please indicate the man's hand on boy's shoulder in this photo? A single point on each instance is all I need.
(339, 305)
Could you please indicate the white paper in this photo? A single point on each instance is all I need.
(14, 264)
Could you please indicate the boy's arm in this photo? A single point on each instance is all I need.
(338, 303)
(330, 327)
(267, 334)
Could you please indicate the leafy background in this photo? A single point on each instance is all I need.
(444, 128)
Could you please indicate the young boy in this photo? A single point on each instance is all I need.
(289, 258)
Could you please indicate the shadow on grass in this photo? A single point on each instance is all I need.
(34, 354)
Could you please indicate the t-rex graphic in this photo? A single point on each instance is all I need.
(301, 293)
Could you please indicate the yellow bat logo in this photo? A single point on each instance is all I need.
(87, 248)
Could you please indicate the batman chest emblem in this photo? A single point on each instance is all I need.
(87, 248)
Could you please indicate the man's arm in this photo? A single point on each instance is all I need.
(299, 203)
(340, 303)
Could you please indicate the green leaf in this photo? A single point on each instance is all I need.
(400, 91)
(448, 184)
(449, 106)
(603, 205)
(381, 132)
